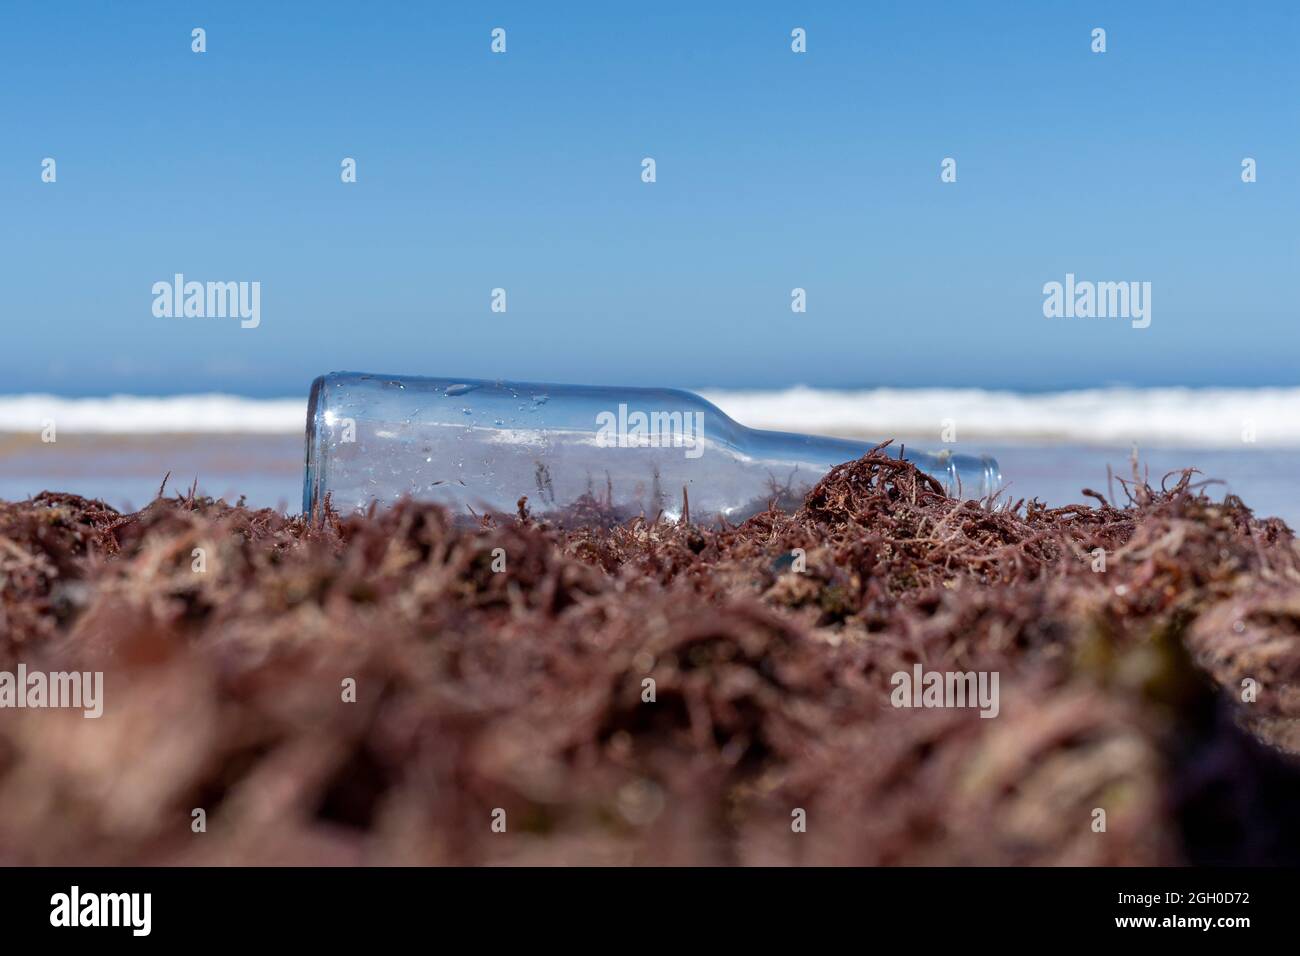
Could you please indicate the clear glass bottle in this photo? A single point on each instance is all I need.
(580, 454)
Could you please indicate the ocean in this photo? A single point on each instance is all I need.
(1050, 446)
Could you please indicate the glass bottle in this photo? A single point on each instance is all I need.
(579, 454)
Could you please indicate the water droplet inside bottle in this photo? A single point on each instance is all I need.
(460, 389)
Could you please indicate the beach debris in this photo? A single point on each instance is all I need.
(637, 690)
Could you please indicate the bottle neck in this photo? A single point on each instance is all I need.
(965, 476)
(816, 451)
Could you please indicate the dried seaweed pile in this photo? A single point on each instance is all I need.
(502, 676)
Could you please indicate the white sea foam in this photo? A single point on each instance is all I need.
(1194, 418)
(131, 414)
(1186, 417)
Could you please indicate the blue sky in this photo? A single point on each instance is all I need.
(775, 170)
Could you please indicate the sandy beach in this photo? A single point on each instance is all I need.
(126, 470)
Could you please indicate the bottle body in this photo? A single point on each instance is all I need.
(580, 454)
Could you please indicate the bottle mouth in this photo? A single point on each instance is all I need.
(992, 475)
(970, 477)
